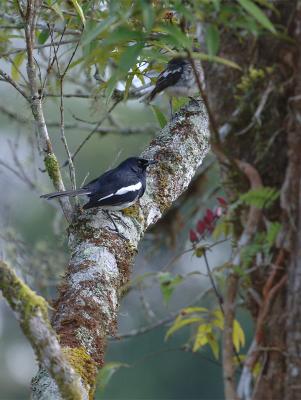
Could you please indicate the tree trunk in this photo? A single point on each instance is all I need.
(262, 127)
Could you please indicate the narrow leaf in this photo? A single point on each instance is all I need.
(213, 343)
(108, 371)
(202, 336)
(212, 40)
(129, 57)
(18, 60)
(79, 11)
(258, 14)
(220, 60)
(159, 115)
(92, 31)
(238, 336)
(43, 36)
(180, 323)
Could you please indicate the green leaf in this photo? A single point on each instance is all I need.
(180, 323)
(222, 228)
(176, 36)
(92, 30)
(272, 233)
(213, 343)
(148, 14)
(218, 320)
(123, 34)
(258, 14)
(111, 85)
(220, 60)
(43, 36)
(261, 198)
(191, 310)
(108, 371)
(238, 335)
(202, 336)
(168, 284)
(17, 62)
(79, 11)
(212, 40)
(129, 57)
(159, 115)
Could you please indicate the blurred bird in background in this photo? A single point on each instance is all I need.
(177, 80)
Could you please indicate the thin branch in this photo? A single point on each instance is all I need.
(88, 137)
(9, 80)
(51, 163)
(38, 47)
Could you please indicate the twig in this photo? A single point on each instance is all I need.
(50, 160)
(38, 47)
(87, 138)
(9, 80)
(218, 295)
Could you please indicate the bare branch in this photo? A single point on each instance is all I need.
(51, 163)
(9, 80)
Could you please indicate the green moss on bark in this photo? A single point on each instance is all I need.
(84, 365)
(20, 297)
(52, 167)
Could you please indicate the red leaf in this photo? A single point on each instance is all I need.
(222, 201)
(209, 216)
(201, 227)
(193, 236)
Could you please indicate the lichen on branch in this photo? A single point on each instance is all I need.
(31, 312)
(101, 260)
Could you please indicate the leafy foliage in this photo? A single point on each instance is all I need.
(168, 283)
(260, 198)
(208, 326)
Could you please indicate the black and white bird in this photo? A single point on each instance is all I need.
(178, 79)
(116, 189)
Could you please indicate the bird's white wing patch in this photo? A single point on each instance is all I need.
(170, 71)
(124, 190)
(131, 188)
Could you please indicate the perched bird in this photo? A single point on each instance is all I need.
(178, 79)
(116, 189)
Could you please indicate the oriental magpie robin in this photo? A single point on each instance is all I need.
(116, 189)
(178, 79)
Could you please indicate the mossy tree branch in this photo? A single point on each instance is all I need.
(101, 261)
(31, 313)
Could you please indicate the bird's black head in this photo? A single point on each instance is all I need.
(137, 164)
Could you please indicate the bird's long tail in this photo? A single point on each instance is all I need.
(71, 193)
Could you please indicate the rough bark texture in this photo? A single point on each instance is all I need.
(101, 260)
(292, 203)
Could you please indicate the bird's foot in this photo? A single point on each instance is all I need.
(120, 220)
(115, 229)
